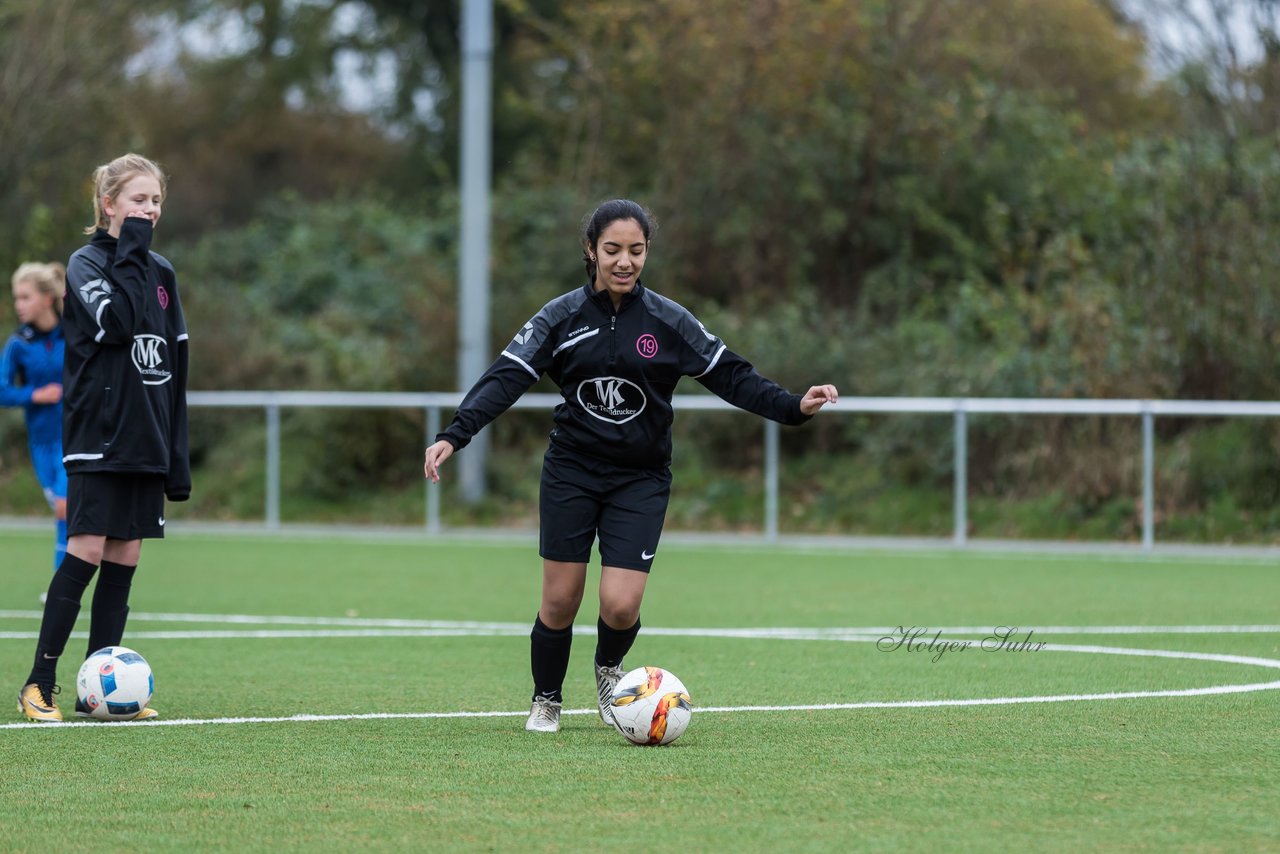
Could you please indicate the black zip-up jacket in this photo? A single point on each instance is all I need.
(125, 371)
(617, 371)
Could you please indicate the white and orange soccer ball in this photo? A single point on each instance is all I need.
(651, 706)
(114, 684)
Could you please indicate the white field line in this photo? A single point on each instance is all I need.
(263, 620)
(444, 629)
(754, 632)
(845, 635)
(236, 634)
(817, 707)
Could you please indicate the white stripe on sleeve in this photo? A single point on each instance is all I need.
(714, 359)
(98, 318)
(573, 341)
(521, 362)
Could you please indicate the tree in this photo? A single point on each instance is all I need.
(793, 144)
(259, 113)
(61, 113)
(423, 37)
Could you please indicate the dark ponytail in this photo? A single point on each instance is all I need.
(608, 213)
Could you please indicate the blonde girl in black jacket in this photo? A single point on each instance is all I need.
(124, 416)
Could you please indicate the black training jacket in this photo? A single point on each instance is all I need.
(617, 372)
(125, 372)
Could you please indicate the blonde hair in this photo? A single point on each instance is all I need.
(109, 179)
(49, 279)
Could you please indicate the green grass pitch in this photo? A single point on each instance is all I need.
(414, 627)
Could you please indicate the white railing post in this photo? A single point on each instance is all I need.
(273, 465)
(1148, 477)
(771, 480)
(960, 534)
(433, 489)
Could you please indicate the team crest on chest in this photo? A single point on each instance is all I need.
(647, 346)
(163, 296)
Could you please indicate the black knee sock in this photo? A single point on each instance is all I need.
(61, 608)
(612, 645)
(549, 657)
(110, 608)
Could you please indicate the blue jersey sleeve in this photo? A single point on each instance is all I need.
(14, 390)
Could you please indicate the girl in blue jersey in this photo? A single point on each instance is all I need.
(31, 377)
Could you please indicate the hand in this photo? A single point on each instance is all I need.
(817, 397)
(51, 393)
(435, 457)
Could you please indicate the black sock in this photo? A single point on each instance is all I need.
(110, 608)
(612, 645)
(549, 657)
(61, 607)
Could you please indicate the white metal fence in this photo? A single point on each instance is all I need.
(960, 408)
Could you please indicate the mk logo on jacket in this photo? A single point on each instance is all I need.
(611, 399)
(149, 353)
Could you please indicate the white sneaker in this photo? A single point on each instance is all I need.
(606, 680)
(544, 716)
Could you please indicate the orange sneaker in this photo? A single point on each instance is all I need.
(36, 702)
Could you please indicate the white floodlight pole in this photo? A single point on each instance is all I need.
(473, 264)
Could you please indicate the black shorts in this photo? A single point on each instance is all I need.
(120, 506)
(582, 497)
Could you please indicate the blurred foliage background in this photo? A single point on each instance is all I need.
(1049, 198)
